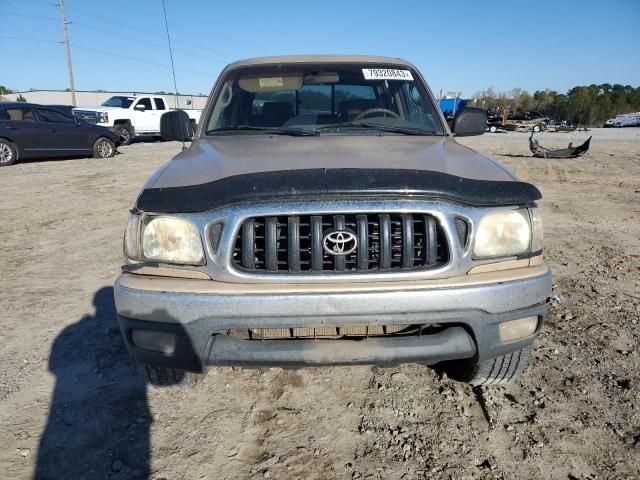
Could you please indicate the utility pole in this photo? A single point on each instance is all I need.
(66, 45)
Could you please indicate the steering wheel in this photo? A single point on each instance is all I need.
(369, 111)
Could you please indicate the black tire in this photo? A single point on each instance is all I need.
(537, 128)
(8, 153)
(495, 371)
(125, 132)
(104, 148)
(493, 129)
(160, 377)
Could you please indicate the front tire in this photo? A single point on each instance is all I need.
(495, 371)
(126, 135)
(537, 128)
(160, 377)
(8, 153)
(104, 148)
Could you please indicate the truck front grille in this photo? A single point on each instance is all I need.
(366, 242)
(89, 117)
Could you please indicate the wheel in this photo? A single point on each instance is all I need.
(494, 371)
(104, 148)
(537, 128)
(8, 153)
(493, 129)
(160, 377)
(125, 133)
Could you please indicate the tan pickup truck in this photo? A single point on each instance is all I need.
(324, 214)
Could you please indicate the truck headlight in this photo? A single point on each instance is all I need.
(501, 234)
(172, 240)
(163, 239)
(103, 117)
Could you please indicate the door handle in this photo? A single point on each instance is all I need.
(11, 128)
(53, 130)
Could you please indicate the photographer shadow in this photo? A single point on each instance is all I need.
(99, 420)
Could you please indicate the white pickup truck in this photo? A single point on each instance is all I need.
(131, 115)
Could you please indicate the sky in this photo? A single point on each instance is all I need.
(467, 46)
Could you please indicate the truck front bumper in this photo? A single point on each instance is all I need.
(198, 315)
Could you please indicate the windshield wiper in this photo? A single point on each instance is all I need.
(272, 130)
(375, 126)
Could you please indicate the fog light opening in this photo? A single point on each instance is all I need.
(162, 342)
(517, 329)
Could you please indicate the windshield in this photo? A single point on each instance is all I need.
(323, 99)
(122, 102)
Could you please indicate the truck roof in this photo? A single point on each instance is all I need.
(319, 59)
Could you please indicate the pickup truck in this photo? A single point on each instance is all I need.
(326, 215)
(131, 115)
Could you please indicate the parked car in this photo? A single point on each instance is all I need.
(131, 115)
(28, 130)
(326, 215)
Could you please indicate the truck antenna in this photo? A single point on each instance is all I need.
(173, 69)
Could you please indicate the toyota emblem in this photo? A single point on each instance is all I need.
(339, 242)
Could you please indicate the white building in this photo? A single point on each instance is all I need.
(92, 99)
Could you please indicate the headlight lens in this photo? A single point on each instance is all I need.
(172, 240)
(132, 238)
(103, 117)
(536, 230)
(504, 233)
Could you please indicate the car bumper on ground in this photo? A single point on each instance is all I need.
(194, 317)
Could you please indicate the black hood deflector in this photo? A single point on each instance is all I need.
(351, 183)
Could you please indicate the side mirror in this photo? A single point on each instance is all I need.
(176, 125)
(470, 121)
(140, 107)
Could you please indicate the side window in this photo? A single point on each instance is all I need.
(146, 102)
(18, 114)
(51, 116)
(159, 104)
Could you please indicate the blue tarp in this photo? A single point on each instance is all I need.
(450, 106)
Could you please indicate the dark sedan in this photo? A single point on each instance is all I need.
(30, 131)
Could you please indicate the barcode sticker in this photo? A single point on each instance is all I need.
(386, 74)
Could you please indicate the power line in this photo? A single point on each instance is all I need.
(31, 16)
(139, 60)
(42, 40)
(102, 52)
(147, 32)
(127, 37)
(173, 68)
(145, 42)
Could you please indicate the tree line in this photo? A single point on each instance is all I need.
(585, 105)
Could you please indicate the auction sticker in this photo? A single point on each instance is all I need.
(386, 74)
(273, 82)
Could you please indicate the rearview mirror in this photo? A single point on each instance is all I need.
(140, 107)
(470, 121)
(176, 125)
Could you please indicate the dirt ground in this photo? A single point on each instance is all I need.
(73, 407)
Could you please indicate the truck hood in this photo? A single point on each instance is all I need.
(98, 109)
(216, 158)
(220, 171)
